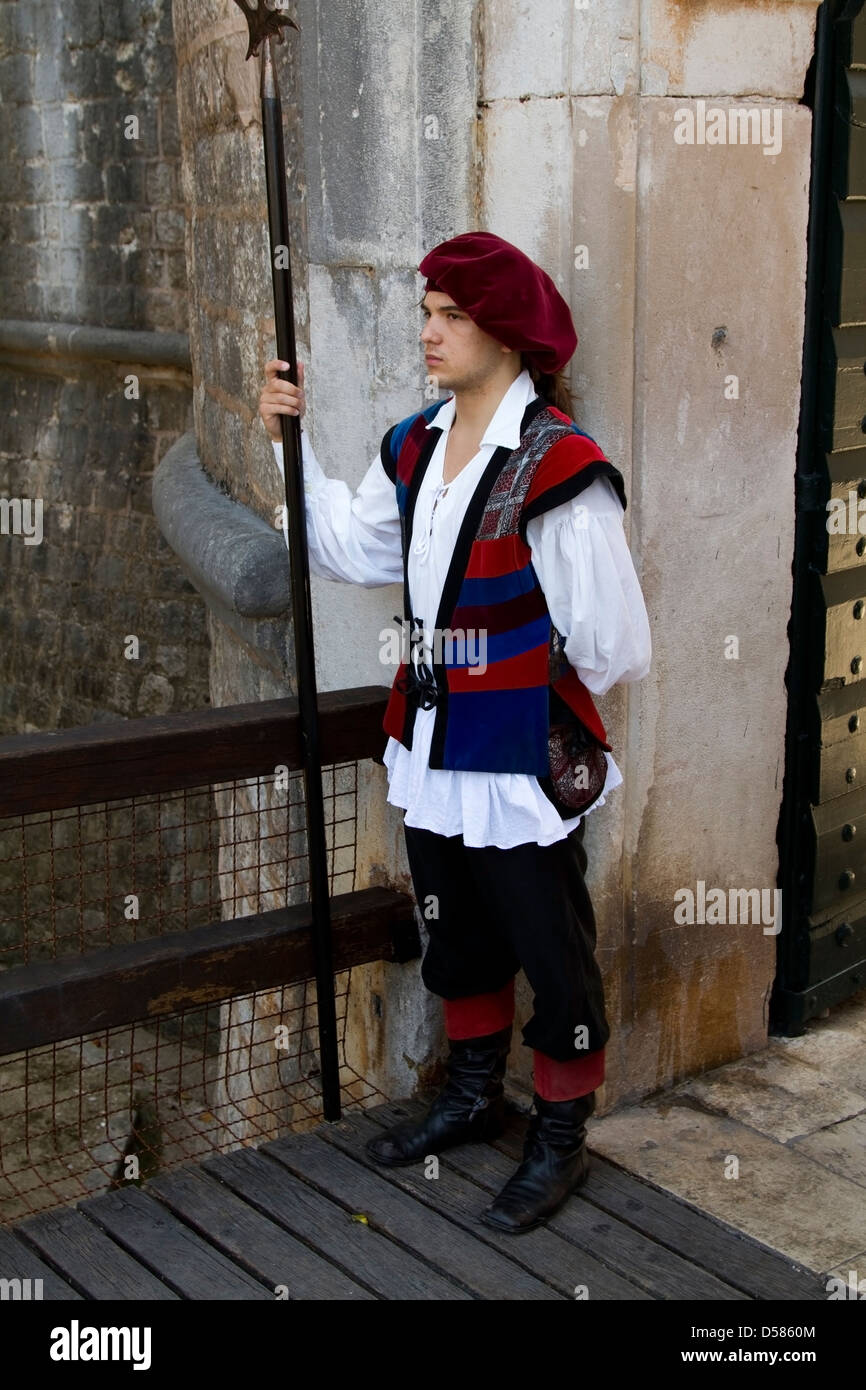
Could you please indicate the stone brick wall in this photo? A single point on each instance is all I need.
(102, 573)
(92, 217)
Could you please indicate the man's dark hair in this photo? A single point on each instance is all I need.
(551, 387)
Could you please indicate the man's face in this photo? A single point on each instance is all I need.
(458, 353)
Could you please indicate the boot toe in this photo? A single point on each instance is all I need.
(534, 1193)
(511, 1219)
(389, 1148)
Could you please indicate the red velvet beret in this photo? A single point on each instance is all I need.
(506, 294)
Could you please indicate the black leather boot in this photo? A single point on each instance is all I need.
(555, 1163)
(471, 1107)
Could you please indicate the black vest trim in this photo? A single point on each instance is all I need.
(388, 462)
(407, 521)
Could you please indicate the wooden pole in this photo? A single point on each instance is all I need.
(265, 29)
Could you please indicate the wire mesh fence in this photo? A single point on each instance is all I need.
(113, 1106)
(86, 877)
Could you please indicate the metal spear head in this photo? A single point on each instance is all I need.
(264, 21)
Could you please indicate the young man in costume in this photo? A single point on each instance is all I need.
(501, 518)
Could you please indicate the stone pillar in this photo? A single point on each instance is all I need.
(685, 268)
(231, 336)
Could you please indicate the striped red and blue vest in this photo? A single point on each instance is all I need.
(495, 716)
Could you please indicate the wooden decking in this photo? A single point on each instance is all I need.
(310, 1216)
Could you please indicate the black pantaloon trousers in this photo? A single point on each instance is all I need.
(490, 912)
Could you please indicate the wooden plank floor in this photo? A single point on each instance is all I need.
(311, 1216)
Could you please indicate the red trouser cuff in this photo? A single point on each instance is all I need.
(567, 1080)
(476, 1015)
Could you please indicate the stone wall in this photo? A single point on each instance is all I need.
(91, 206)
(92, 221)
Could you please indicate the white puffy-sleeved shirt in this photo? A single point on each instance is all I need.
(582, 560)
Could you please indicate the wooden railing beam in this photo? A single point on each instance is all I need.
(117, 985)
(163, 753)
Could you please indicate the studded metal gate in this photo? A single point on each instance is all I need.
(822, 829)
